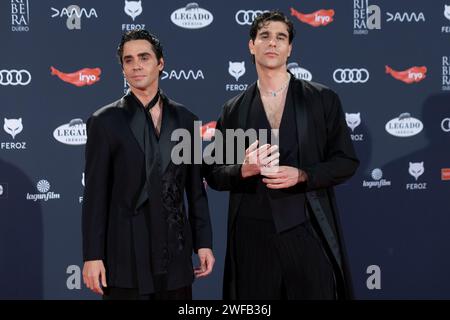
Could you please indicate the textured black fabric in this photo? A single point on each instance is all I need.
(157, 218)
(260, 202)
(289, 265)
(116, 206)
(326, 154)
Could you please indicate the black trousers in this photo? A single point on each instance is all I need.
(113, 293)
(289, 265)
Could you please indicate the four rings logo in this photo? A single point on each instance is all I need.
(351, 75)
(15, 77)
(246, 17)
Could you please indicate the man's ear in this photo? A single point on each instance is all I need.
(161, 64)
(251, 45)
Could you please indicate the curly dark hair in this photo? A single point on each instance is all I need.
(140, 35)
(266, 17)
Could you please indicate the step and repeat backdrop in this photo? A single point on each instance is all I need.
(388, 60)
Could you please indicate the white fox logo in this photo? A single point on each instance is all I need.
(236, 69)
(13, 126)
(353, 120)
(447, 12)
(133, 8)
(416, 169)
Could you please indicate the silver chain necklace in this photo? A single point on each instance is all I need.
(276, 92)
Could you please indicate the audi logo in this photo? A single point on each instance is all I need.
(351, 75)
(445, 125)
(14, 77)
(244, 17)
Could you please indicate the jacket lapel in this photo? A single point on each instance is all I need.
(170, 122)
(244, 106)
(136, 120)
(137, 123)
(300, 119)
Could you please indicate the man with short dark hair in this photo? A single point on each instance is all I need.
(137, 237)
(284, 237)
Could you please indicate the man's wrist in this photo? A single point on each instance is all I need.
(244, 171)
(302, 176)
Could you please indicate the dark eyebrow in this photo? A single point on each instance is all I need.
(144, 54)
(140, 55)
(278, 34)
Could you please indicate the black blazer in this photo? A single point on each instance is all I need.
(115, 203)
(326, 154)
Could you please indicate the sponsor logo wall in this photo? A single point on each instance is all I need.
(389, 61)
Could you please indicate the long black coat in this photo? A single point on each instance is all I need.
(326, 154)
(116, 207)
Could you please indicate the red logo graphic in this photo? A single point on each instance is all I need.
(207, 130)
(445, 174)
(413, 74)
(80, 78)
(316, 19)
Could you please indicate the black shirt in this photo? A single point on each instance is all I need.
(260, 202)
